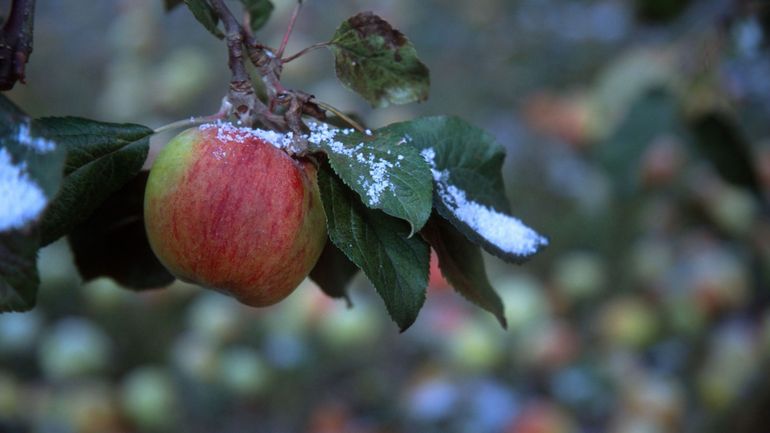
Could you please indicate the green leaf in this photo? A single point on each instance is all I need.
(473, 158)
(112, 242)
(101, 158)
(333, 272)
(171, 4)
(205, 15)
(385, 172)
(653, 114)
(259, 12)
(462, 264)
(720, 140)
(30, 174)
(396, 264)
(468, 184)
(378, 62)
(18, 270)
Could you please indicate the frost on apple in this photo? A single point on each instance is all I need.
(23, 199)
(226, 132)
(505, 232)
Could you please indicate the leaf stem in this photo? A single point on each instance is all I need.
(341, 115)
(305, 51)
(289, 29)
(192, 121)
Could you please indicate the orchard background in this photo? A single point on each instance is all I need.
(637, 140)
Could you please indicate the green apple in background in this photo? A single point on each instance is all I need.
(148, 398)
(227, 208)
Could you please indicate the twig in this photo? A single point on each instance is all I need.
(16, 43)
(289, 29)
(305, 51)
(241, 94)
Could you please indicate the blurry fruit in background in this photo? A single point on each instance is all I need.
(195, 357)
(432, 398)
(579, 275)
(524, 300)
(718, 280)
(82, 407)
(10, 396)
(732, 209)
(659, 400)
(226, 209)
(74, 347)
(149, 399)
(474, 347)
(629, 322)
(436, 281)
(729, 362)
(542, 417)
(566, 118)
(550, 345)
(19, 332)
(215, 317)
(104, 295)
(651, 259)
(662, 161)
(344, 328)
(181, 78)
(243, 372)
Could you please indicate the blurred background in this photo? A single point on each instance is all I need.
(638, 137)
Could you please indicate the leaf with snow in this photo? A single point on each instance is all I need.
(204, 13)
(378, 62)
(30, 174)
(259, 12)
(383, 169)
(466, 164)
(101, 158)
(462, 264)
(396, 264)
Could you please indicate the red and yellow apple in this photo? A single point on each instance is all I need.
(226, 209)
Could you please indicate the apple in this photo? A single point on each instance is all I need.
(229, 209)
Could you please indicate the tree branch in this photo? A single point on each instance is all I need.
(241, 94)
(291, 104)
(16, 43)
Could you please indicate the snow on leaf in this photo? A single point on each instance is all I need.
(38, 144)
(504, 232)
(24, 199)
(386, 174)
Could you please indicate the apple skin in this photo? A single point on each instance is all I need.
(226, 210)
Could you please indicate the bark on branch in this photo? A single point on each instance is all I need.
(16, 43)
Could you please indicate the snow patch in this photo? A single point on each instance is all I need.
(228, 132)
(378, 168)
(321, 134)
(505, 232)
(23, 199)
(38, 144)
